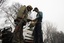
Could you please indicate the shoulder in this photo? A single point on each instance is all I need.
(40, 12)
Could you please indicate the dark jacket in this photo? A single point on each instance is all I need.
(39, 16)
(37, 33)
(6, 36)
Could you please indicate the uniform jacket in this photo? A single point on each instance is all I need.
(37, 33)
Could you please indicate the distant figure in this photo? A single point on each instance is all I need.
(20, 22)
(7, 35)
(37, 33)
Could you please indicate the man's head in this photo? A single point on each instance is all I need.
(29, 7)
(36, 9)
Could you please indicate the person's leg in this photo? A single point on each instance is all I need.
(18, 36)
(40, 37)
(38, 34)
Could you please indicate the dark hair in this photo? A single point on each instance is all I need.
(29, 7)
(36, 9)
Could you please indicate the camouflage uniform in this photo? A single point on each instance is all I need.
(18, 33)
(21, 11)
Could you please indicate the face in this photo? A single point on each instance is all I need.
(29, 8)
(36, 9)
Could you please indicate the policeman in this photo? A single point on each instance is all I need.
(20, 21)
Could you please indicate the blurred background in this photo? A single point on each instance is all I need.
(53, 16)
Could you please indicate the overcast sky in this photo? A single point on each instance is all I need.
(53, 10)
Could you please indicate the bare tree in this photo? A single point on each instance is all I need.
(14, 9)
(53, 36)
(2, 3)
(50, 28)
(11, 11)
